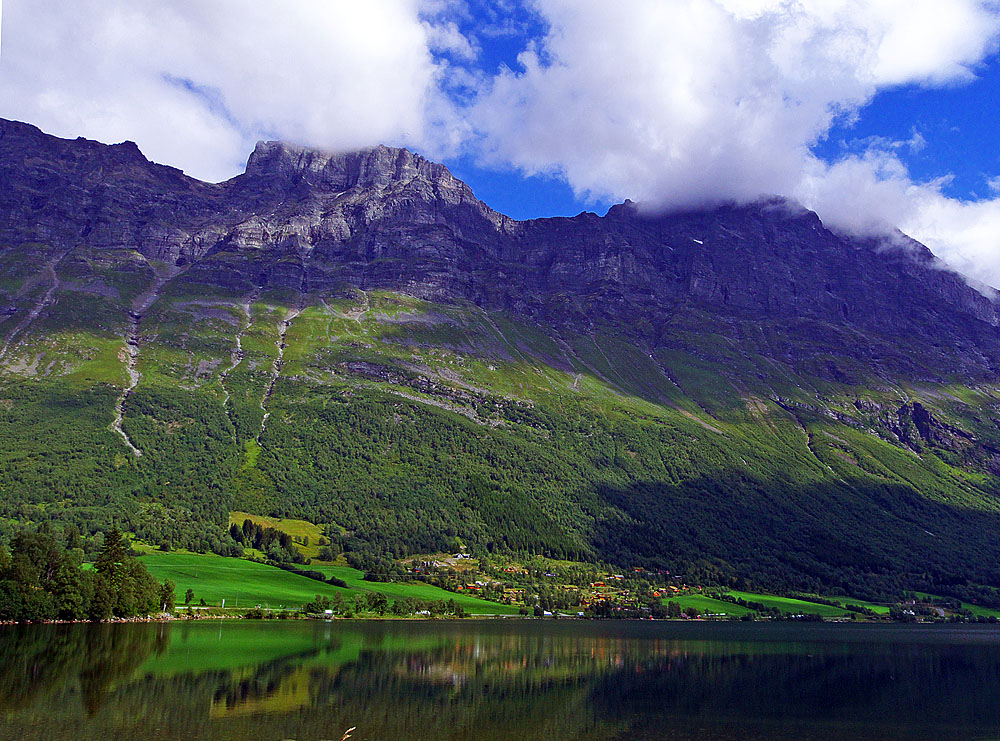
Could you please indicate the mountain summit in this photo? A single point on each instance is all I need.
(355, 339)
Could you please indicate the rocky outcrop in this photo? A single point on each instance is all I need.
(385, 218)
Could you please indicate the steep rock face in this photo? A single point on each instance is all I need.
(312, 221)
(82, 192)
(377, 218)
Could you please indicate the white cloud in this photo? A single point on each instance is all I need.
(671, 102)
(195, 83)
(916, 143)
(965, 234)
(859, 194)
(680, 101)
(446, 37)
(874, 193)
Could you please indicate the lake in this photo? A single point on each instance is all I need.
(501, 679)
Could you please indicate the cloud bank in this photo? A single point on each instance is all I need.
(679, 102)
(670, 102)
(196, 83)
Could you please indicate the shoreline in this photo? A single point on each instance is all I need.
(297, 617)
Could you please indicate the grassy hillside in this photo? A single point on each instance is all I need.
(412, 427)
(790, 605)
(240, 583)
(300, 530)
(708, 605)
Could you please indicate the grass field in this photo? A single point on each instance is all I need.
(708, 605)
(974, 609)
(790, 605)
(240, 583)
(787, 605)
(245, 584)
(298, 529)
(417, 590)
(977, 610)
(873, 606)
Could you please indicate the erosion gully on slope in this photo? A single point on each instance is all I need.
(130, 352)
(238, 354)
(283, 326)
(36, 310)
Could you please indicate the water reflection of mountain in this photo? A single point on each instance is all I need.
(311, 681)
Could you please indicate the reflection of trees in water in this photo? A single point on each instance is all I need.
(484, 688)
(564, 688)
(401, 698)
(114, 655)
(248, 691)
(40, 660)
(457, 684)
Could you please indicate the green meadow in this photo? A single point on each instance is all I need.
(981, 611)
(244, 583)
(977, 610)
(240, 583)
(786, 605)
(711, 605)
(791, 605)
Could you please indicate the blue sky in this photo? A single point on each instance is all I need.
(954, 130)
(875, 113)
(957, 123)
(942, 133)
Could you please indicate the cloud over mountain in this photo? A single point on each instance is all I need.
(669, 102)
(196, 83)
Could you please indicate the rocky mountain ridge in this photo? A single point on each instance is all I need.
(385, 218)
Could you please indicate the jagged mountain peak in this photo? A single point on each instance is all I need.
(360, 186)
(372, 167)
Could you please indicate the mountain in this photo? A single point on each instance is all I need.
(737, 392)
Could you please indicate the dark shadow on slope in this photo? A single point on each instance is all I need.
(864, 537)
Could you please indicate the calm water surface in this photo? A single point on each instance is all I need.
(499, 680)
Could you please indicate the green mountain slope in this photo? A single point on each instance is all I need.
(412, 427)
(363, 345)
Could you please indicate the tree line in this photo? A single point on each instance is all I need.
(346, 605)
(41, 580)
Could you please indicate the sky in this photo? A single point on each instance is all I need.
(877, 114)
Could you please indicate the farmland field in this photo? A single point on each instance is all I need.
(246, 583)
(240, 583)
(708, 605)
(791, 605)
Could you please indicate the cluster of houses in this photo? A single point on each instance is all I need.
(610, 590)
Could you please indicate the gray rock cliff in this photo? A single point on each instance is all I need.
(384, 218)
